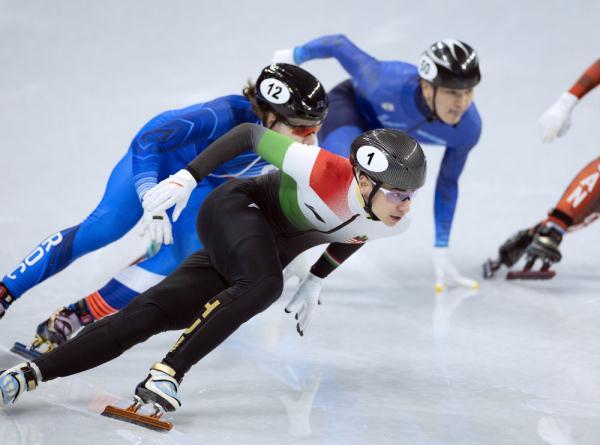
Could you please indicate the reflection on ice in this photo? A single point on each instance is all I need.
(555, 431)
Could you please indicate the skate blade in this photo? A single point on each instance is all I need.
(488, 270)
(531, 275)
(146, 421)
(25, 351)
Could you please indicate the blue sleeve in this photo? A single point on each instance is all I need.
(174, 132)
(446, 190)
(446, 193)
(354, 60)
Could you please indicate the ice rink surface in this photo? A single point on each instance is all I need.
(386, 361)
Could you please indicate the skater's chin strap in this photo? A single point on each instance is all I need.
(369, 199)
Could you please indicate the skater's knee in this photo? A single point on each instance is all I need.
(104, 226)
(138, 322)
(260, 294)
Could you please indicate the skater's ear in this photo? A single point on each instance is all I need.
(364, 183)
(427, 90)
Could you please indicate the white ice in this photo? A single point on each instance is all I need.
(385, 361)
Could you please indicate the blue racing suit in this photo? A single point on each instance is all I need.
(388, 94)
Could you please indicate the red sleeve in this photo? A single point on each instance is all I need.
(587, 81)
(330, 178)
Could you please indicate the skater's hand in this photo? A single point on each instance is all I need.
(173, 191)
(304, 301)
(557, 119)
(296, 269)
(158, 226)
(284, 56)
(446, 273)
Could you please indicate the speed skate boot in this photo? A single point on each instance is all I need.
(6, 299)
(17, 380)
(545, 248)
(56, 330)
(509, 252)
(159, 390)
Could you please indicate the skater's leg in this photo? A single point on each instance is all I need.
(242, 248)
(578, 206)
(135, 279)
(580, 203)
(172, 304)
(256, 282)
(117, 213)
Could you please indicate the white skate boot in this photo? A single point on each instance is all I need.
(17, 380)
(159, 390)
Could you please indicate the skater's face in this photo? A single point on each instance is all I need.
(389, 205)
(305, 134)
(450, 104)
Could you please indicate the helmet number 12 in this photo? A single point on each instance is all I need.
(275, 91)
(274, 95)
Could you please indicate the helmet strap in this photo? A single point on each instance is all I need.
(369, 200)
(434, 114)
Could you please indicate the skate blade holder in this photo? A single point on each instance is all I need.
(490, 267)
(527, 274)
(25, 351)
(131, 415)
(531, 275)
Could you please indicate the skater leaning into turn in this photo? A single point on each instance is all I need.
(578, 206)
(433, 103)
(163, 146)
(251, 229)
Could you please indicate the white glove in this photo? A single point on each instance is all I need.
(284, 56)
(446, 273)
(557, 119)
(158, 227)
(298, 268)
(304, 301)
(173, 191)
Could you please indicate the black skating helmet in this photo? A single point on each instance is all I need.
(450, 63)
(390, 158)
(293, 94)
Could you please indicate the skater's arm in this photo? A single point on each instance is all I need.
(334, 256)
(241, 138)
(269, 145)
(446, 192)
(149, 146)
(588, 81)
(354, 60)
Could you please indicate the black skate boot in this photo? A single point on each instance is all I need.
(509, 252)
(6, 299)
(159, 389)
(55, 331)
(544, 247)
